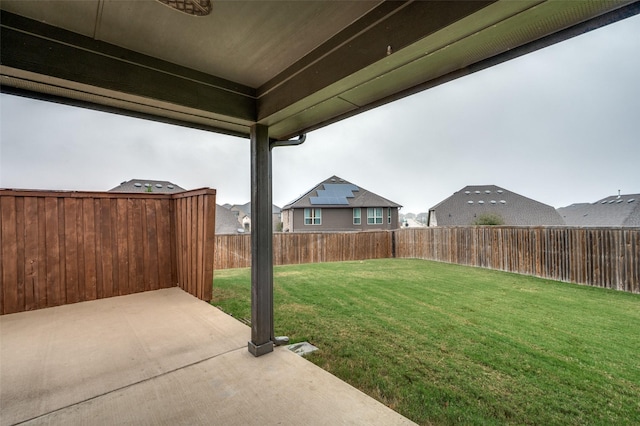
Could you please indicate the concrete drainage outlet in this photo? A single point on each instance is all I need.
(302, 348)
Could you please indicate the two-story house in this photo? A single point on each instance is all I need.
(338, 205)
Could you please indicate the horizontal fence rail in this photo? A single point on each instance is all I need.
(60, 247)
(601, 257)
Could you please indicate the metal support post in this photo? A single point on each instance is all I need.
(262, 339)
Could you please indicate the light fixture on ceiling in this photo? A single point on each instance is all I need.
(190, 7)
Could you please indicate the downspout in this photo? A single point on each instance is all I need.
(284, 340)
(287, 142)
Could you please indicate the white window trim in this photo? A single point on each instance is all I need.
(359, 210)
(315, 216)
(372, 216)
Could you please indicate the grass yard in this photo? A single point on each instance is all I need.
(448, 344)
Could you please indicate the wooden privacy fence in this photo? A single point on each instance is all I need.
(602, 257)
(234, 251)
(59, 247)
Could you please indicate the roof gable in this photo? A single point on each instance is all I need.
(336, 192)
(464, 207)
(148, 185)
(614, 210)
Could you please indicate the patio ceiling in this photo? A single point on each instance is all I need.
(292, 66)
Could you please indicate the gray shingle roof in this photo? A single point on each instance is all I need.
(332, 193)
(615, 210)
(464, 207)
(245, 209)
(143, 185)
(227, 221)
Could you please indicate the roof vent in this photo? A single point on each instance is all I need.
(619, 201)
(604, 202)
(493, 201)
(148, 185)
(137, 184)
(480, 202)
(612, 201)
(470, 202)
(503, 202)
(467, 192)
(500, 191)
(477, 192)
(631, 200)
(158, 185)
(170, 186)
(487, 192)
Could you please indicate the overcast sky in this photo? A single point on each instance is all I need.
(561, 126)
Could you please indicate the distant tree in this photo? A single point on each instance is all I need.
(489, 219)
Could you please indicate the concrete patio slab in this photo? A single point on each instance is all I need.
(161, 357)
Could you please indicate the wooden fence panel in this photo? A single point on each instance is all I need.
(602, 257)
(194, 213)
(234, 251)
(59, 247)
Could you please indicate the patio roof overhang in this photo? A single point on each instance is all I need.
(289, 65)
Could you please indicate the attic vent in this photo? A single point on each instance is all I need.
(137, 184)
(467, 192)
(470, 202)
(503, 202)
(612, 201)
(500, 191)
(477, 192)
(170, 186)
(487, 192)
(619, 201)
(190, 7)
(158, 185)
(480, 202)
(493, 201)
(604, 202)
(631, 200)
(148, 185)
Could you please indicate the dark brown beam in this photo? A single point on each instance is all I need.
(613, 16)
(120, 111)
(387, 25)
(42, 49)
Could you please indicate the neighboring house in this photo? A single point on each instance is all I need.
(338, 205)
(612, 211)
(475, 202)
(243, 213)
(227, 222)
(148, 185)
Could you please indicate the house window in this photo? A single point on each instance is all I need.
(374, 216)
(357, 216)
(312, 217)
(389, 215)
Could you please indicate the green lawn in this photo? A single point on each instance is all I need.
(447, 344)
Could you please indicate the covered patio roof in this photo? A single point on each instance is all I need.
(292, 66)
